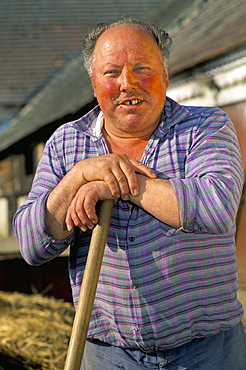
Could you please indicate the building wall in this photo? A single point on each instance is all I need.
(4, 217)
(50, 279)
(16, 176)
(237, 112)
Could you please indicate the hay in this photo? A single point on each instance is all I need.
(34, 331)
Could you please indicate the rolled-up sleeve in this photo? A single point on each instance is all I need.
(36, 243)
(209, 194)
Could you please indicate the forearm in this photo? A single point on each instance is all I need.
(58, 203)
(157, 197)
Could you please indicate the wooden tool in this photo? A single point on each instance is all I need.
(89, 286)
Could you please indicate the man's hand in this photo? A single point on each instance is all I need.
(118, 171)
(82, 210)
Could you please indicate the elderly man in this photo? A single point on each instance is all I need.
(167, 291)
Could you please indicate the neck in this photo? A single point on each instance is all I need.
(129, 145)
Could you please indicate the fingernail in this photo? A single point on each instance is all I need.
(69, 228)
(135, 192)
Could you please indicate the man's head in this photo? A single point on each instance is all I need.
(161, 37)
(129, 76)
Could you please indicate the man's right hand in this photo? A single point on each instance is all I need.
(82, 210)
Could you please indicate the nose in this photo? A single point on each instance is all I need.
(127, 79)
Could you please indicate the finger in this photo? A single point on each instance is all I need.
(90, 210)
(141, 168)
(110, 178)
(81, 219)
(69, 222)
(130, 167)
(76, 216)
(73, 220)
(120, 181)
(129, 182)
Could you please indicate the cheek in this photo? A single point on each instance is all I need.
(154, 84)
(157, 90)
(105, 90)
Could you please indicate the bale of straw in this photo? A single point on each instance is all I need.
(35, 331)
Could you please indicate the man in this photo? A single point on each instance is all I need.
(167, 291)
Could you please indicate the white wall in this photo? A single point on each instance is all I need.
(4, 217)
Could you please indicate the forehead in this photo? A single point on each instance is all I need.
(123, 39)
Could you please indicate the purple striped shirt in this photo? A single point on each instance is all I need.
(159, 287)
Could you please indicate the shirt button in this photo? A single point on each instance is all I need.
(134, 286)
(131, 239)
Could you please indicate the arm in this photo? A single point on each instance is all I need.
(117, 171)
(39, 223)
(209, 192)
(206, 199)
(157, 197)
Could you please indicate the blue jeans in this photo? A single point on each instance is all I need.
(223, 351)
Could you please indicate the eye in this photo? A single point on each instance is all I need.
(142, 68)
(111, 73)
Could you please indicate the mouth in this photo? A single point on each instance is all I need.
(132, 102)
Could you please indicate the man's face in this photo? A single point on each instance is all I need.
(129, 80)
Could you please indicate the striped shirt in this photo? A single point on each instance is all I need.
(159, 287)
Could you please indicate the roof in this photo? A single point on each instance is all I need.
(201, 31)
(38, 37)
(210, 29)
(66, 93)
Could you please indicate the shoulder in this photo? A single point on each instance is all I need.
(80, 127)
(73, 136)
(206, 112)
(196, 116)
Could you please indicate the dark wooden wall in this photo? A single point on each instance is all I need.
(49, 279)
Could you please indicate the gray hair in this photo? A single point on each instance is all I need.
(161, 37)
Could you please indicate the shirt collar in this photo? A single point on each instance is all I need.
(173, 113)
(97, 125)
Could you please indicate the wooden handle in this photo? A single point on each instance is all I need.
(89, 286)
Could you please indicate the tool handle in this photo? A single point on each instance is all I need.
(89, 286)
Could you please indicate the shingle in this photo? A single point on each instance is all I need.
(213, 28)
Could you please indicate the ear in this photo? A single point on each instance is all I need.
(94, 91)
(167, 77)
(93, 87)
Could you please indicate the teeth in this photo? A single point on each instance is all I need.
(132, 102)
